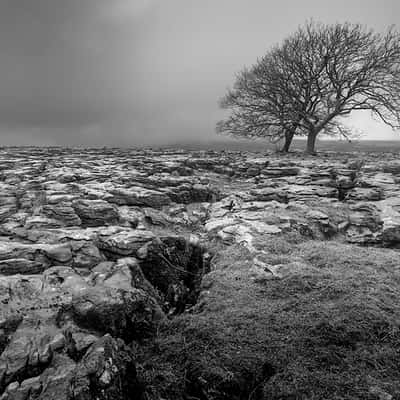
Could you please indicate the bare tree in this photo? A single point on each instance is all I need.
(315, 79)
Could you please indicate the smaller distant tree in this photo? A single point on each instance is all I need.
(262, 105)
(312, 81)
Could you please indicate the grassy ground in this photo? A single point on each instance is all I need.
(327, 328)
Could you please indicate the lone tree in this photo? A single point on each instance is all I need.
(313, 80)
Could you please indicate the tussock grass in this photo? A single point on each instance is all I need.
(328, 329)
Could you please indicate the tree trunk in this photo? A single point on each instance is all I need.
(312, 136)
(288, 141)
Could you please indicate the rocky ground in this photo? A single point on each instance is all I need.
(128, 274)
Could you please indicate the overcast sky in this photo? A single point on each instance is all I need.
(133, 72)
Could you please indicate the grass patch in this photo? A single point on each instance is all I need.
(328, 329)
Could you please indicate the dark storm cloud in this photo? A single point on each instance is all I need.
(128, 72)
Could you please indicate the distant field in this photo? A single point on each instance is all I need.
(322, 145)
(362, 145)
(392, 146)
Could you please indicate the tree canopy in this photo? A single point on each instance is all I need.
(313, 80)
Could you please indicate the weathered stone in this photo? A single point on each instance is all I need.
(125, 242)
(390, 216)
(364, 194)
(138, 196)
(106, 372)
(126, 314)
(364, 224)
(392, 168)
(61, 212)
(96, 212)
(24, 258)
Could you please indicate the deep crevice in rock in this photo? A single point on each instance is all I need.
(342, 192)
(175, 267)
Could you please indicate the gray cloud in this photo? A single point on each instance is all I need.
(131, 72)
